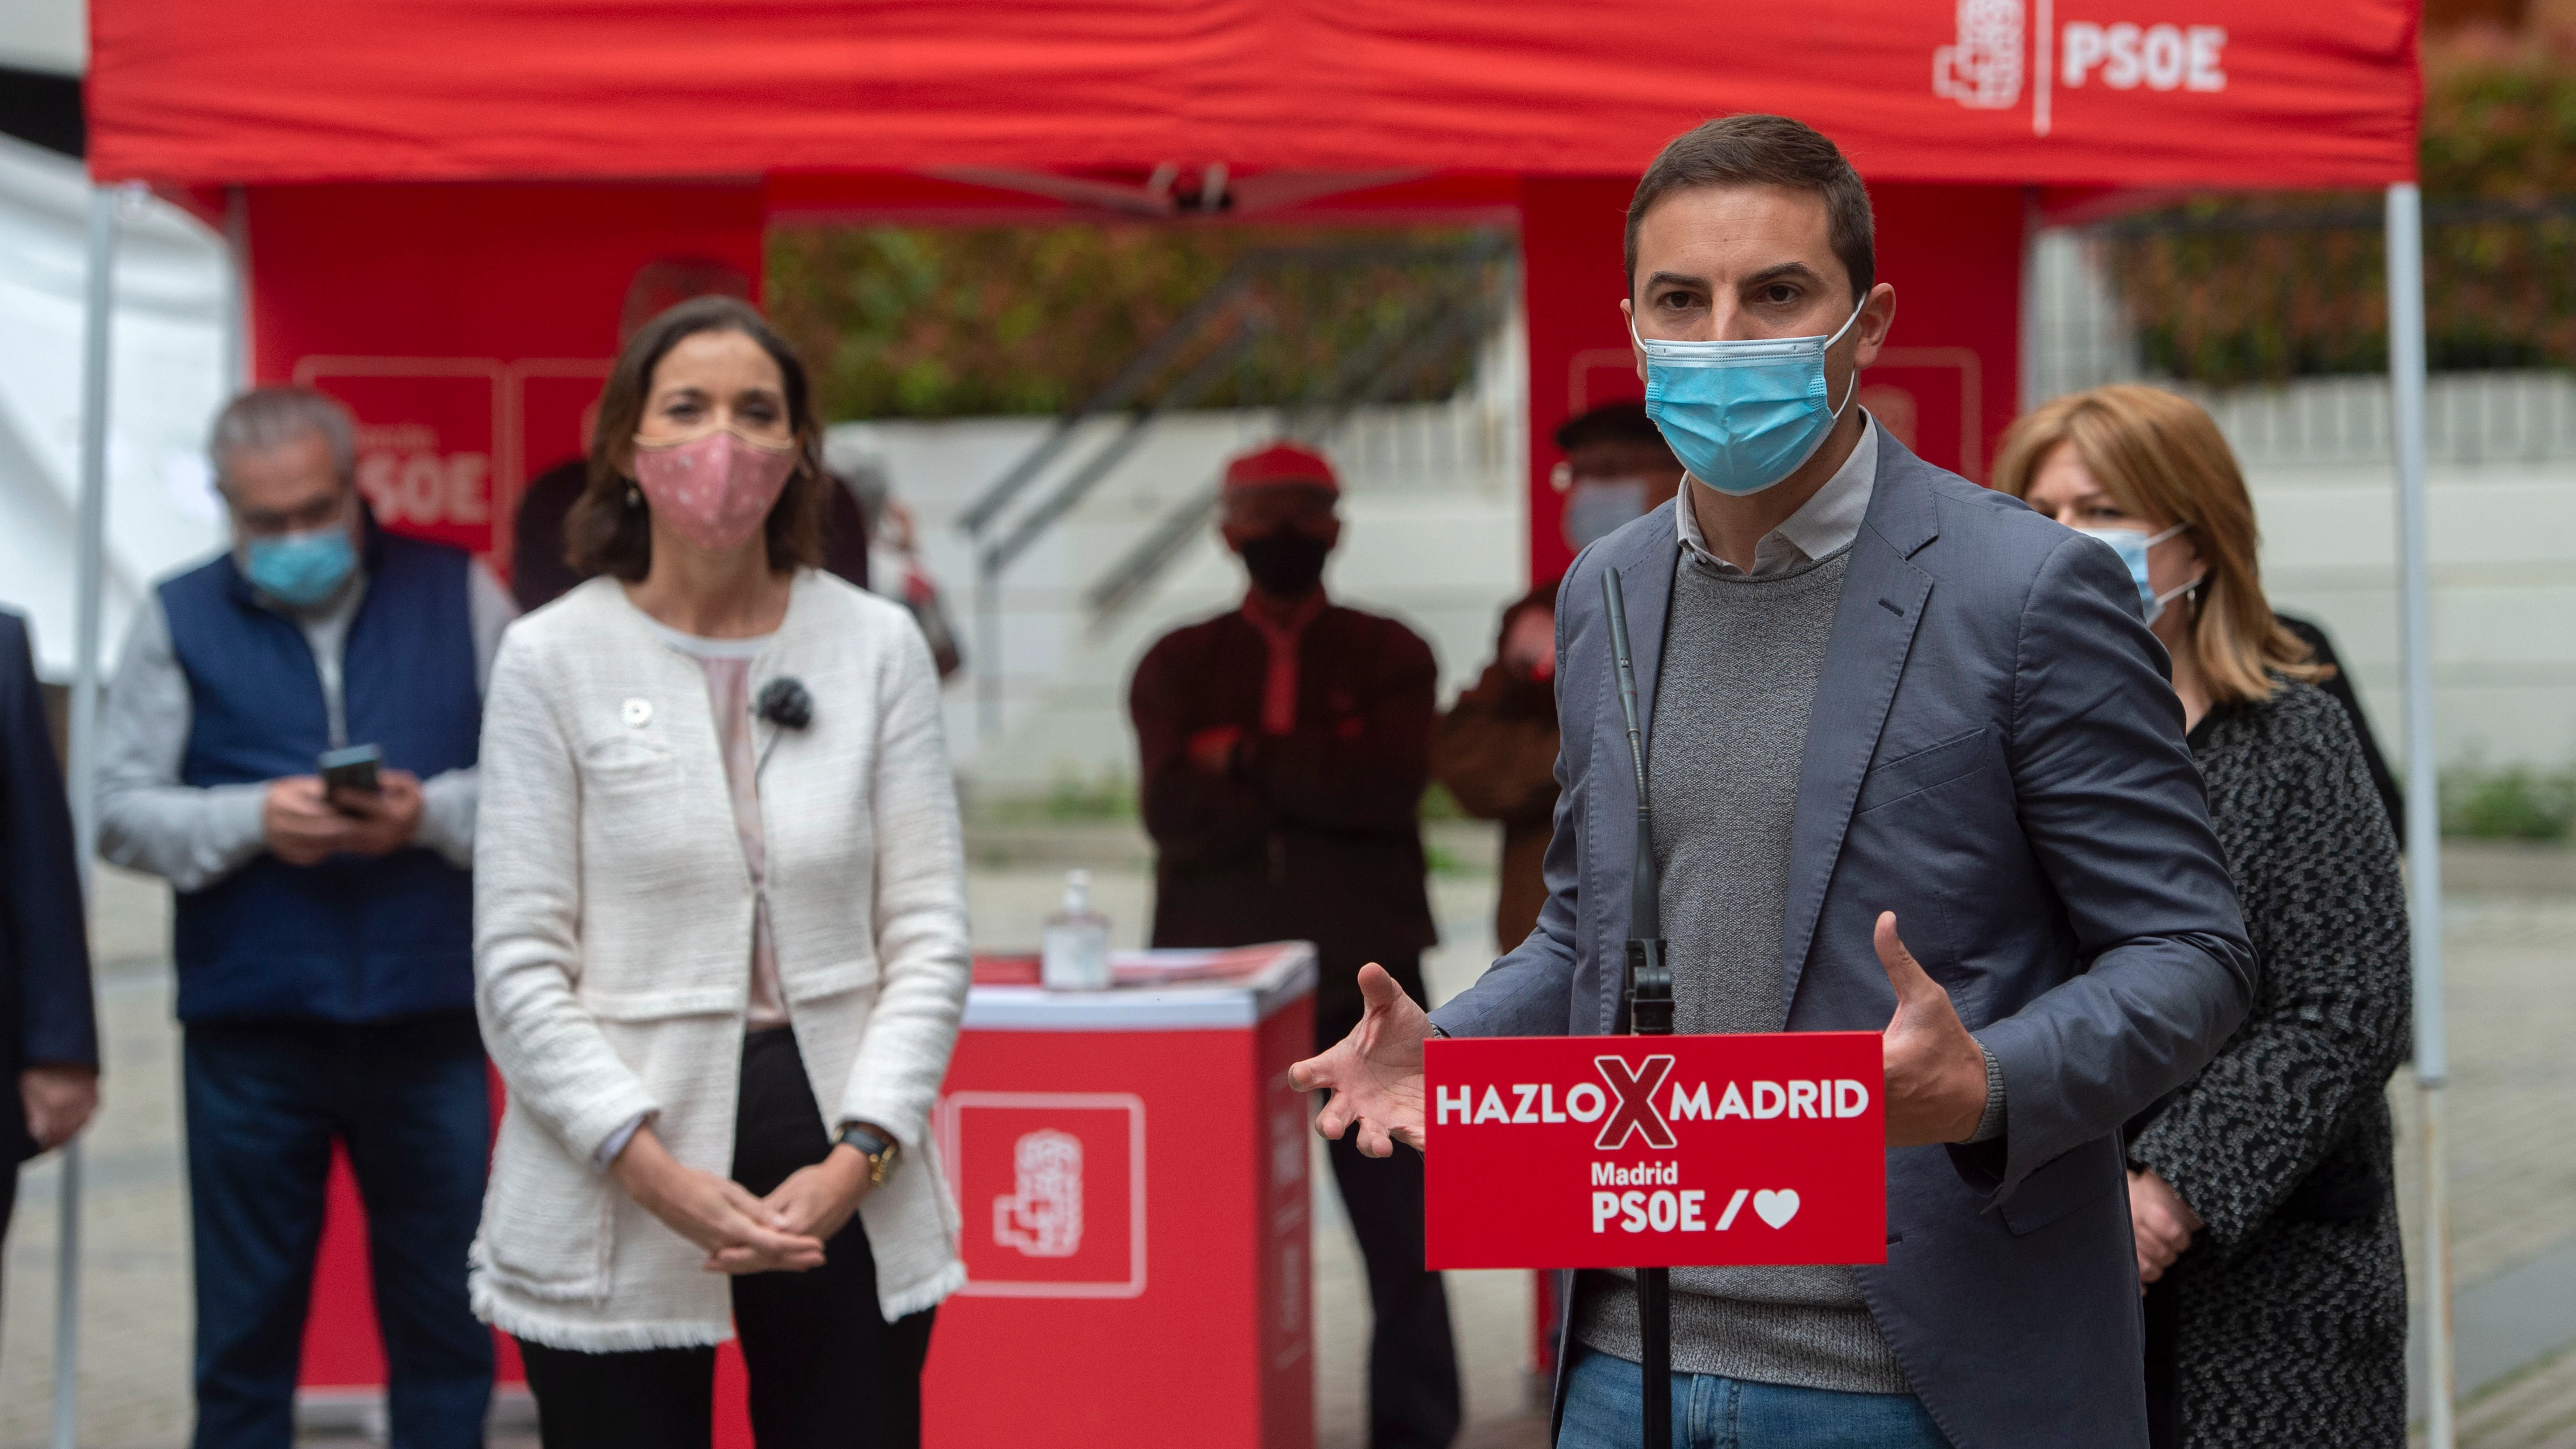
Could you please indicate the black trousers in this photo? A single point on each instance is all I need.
(826, 1369)
(1413, 1363)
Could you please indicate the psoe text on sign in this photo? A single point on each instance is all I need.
(1655, 1151)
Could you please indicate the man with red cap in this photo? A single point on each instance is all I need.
(1286, 745)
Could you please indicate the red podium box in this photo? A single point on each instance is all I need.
(1131, 1166)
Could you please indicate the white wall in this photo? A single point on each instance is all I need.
(2504, 596)
(2316, 454)
(48, 35)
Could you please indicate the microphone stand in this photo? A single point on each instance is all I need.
(1645, 1009)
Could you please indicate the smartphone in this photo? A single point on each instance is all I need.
(351, 769)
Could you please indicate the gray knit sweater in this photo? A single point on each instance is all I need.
(1741, 659)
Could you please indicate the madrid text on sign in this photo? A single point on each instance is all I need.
(1604, 1152)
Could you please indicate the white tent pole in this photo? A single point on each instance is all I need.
(236, 291)
(2423, 803)
(90, 556)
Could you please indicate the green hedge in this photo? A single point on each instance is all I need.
(2259, 288)
(930, 322)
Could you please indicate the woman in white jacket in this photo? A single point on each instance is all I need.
(720, 936)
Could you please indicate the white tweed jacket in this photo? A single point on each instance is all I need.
(612, 946)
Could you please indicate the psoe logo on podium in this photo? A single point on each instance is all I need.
(1052, 1185)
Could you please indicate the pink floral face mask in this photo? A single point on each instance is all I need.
(714, 489)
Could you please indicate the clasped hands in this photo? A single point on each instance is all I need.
(2161, 1221)
(784, 1231)
(1935, 1075)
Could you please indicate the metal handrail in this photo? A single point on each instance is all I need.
(1115, 394)
(986, 511)
(1122, 389)
(1195, 384)
(1125, 581)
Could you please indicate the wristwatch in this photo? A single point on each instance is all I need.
(876, 1147)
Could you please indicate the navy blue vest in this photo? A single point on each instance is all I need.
(350, 939)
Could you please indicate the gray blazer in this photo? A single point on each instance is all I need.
(1996, 756)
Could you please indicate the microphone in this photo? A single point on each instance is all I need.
(785, 703)
(1646, 993)
(1645, 1009)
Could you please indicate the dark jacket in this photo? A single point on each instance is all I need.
(46, 1015)
(349, 939)
(1996, 755)
(1313, 835)
(1495, 751)
(2289, 1319)
(2338, 687)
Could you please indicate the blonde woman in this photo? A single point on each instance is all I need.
(2261, 1191)
(720, 936)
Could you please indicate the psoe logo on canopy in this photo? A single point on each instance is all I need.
(1983, 68)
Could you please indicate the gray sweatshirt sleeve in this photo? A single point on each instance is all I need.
(148, 821)
(447, 800)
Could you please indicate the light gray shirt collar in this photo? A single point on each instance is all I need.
(1822, 525)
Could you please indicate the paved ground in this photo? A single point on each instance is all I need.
(2513, 1010)
(2532, 1410)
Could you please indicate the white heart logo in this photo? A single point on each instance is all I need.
(1776, 1208)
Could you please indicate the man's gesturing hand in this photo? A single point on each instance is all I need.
(1375, 1073)
(1936, 1076)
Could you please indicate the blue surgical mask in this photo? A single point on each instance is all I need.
(1742, 415)
(300, 569)
(2132, 545)
(1596, 508)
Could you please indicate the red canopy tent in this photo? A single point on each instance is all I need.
(385, 153)
(439, 203)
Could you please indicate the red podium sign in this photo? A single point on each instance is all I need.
(1654, 1151)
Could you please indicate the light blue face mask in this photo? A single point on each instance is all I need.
(1742, 415)
(2132, 545)
(300, 569)
(1599, 507)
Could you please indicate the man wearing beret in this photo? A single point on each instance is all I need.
(1286, 745)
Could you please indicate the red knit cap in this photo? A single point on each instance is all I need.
(1278, 465)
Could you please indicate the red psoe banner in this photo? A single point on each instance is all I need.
(1654, 1152)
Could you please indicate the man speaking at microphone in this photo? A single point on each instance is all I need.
(1914, 768)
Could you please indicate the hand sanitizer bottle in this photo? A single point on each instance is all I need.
(1075, 956)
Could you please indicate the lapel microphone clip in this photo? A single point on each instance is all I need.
(785, 704)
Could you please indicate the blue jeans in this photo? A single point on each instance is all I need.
(1605, 1408)
(265, 1100)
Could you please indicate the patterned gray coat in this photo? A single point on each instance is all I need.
(2291, 1322)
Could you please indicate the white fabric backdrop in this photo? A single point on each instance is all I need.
(167, 351)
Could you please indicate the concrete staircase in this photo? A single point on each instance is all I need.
(1433, 514)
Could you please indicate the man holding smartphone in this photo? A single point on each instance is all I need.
(325, 911)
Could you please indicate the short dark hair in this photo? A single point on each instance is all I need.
(1765, 151)
(1620, 422)
(604, 535)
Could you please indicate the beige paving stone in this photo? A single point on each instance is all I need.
(2512, 1019)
